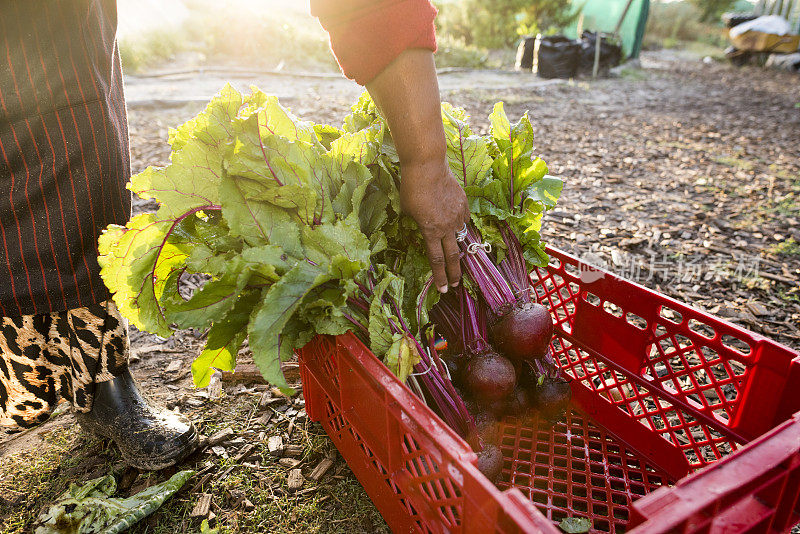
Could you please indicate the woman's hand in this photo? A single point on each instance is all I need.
(407, 92)
(432, 196)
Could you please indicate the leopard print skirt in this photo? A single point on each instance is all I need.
(52, 356)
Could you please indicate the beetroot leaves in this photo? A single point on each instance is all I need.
(295, 229)
(377, 317)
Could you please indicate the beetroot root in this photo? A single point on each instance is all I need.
(524, 332)
(487, 426)
(518, 402)
(490, 461)
(552, 398)
(490, 377)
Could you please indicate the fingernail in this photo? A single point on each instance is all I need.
(442, 289)
(454, 284)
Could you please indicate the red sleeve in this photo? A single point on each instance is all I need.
(367, 35)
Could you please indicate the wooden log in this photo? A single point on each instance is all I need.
(202, 507)
(295, 479)
(320, 470)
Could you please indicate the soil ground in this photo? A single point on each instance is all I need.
(681, 175)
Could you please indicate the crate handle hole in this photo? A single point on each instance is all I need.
(612, 309)
(592, 299)
(736, 344)
(673, 316)
(636, 321)
(702, 329)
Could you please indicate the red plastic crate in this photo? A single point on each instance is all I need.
(661, 393)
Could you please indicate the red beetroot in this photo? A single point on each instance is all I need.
(498, 407)
(486, 425)
(490, 377)
(490, 461)
(524, 332)
(518, 402)
(552, 398)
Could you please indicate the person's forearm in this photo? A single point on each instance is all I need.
(407, 93)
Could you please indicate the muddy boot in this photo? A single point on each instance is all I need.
(149, 438)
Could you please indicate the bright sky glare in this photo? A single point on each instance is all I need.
(136, 16)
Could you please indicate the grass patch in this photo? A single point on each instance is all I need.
(32, 479)
(714, 49)
(453, 52)
(677, 145)
(337, 503)
(634, 75)
(152, 48)
(733, 161)
(792, 294)
(789, 247)
(787, 204)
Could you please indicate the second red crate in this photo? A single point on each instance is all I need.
(664, 396)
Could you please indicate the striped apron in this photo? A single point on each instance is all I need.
(64, 157)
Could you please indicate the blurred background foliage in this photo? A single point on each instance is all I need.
(499, 23)
(687, 25)
(281, 34)
(256, 33)
(710, 10)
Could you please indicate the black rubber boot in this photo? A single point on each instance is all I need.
(149, 438)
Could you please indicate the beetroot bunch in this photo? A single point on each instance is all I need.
(497, 345)
(298, 230)
(497, 360)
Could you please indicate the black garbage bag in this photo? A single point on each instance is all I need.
(556, 56)
(610, 52)
(525, 53)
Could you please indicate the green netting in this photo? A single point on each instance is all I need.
(603, 15)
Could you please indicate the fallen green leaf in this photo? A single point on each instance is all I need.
(90, 509)
(575, 525)
(205, 529)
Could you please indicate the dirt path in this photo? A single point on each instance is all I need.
(173, 87)
(682, 176)
(686, 180)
